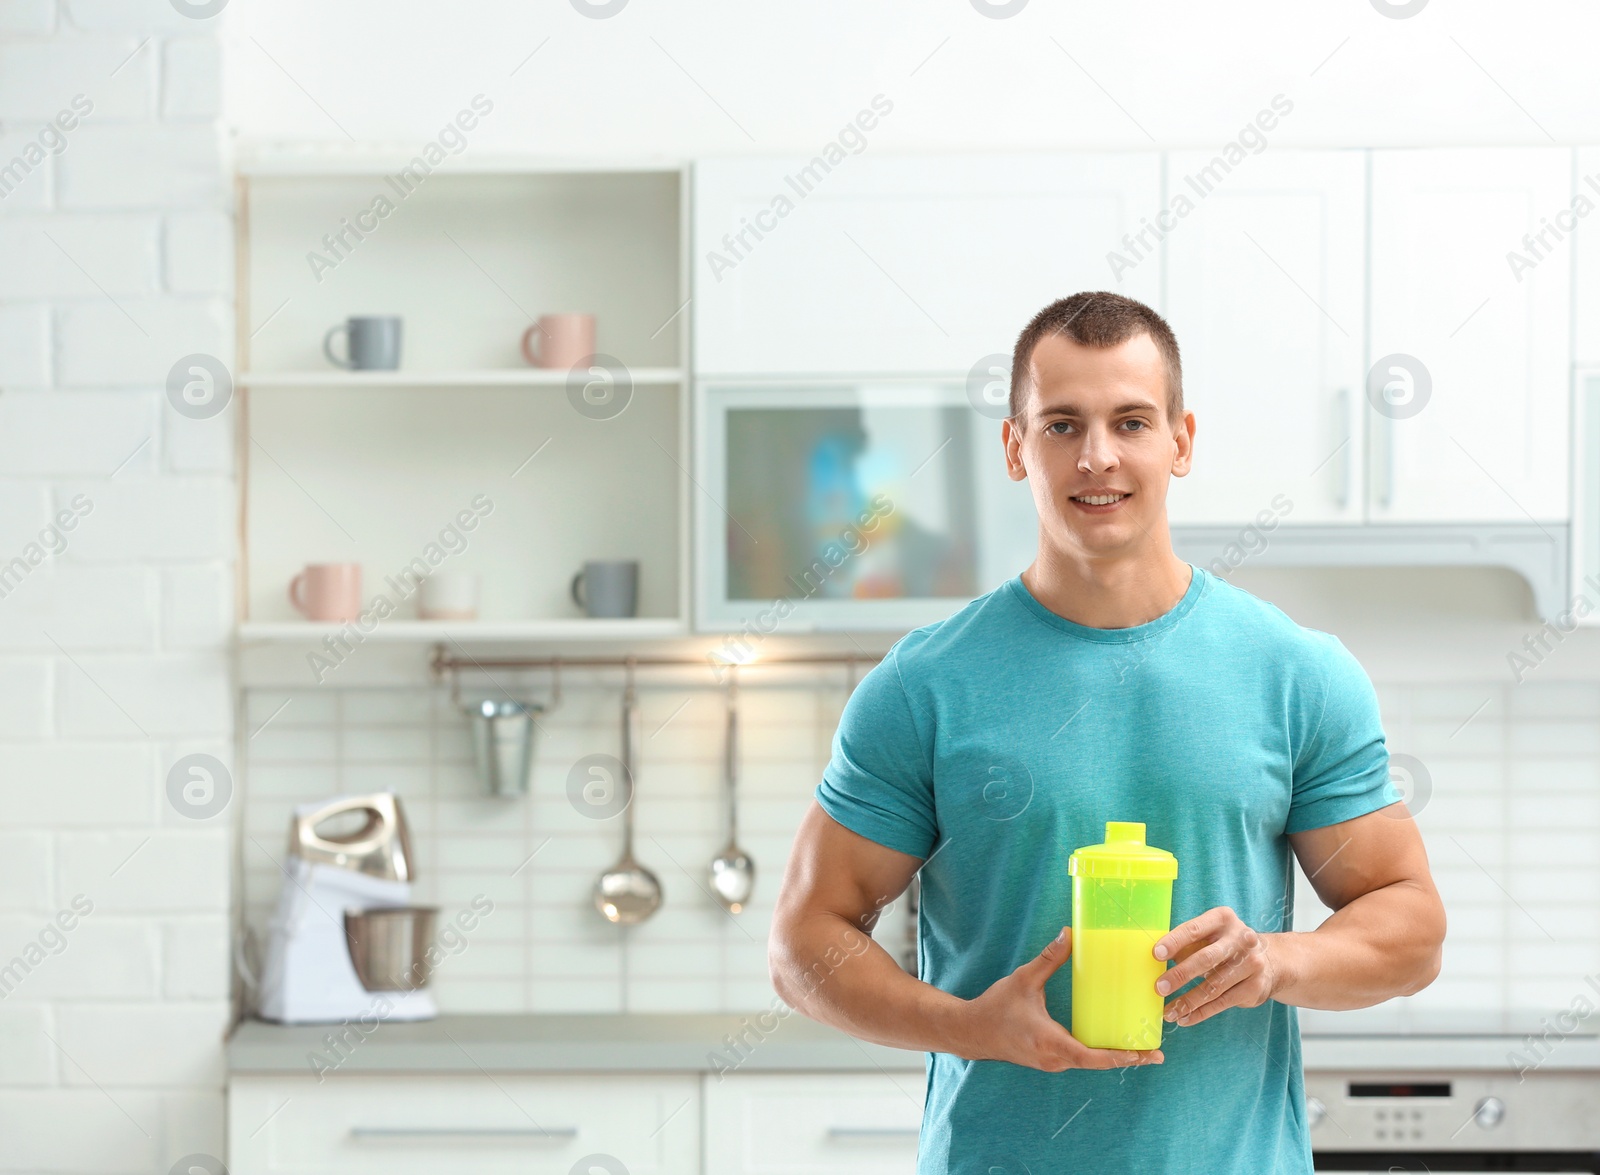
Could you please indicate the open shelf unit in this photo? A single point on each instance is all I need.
(377, 467)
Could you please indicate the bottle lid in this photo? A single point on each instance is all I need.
(1124, 854)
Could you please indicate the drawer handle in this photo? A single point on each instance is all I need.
(511, 1133)
(862, 1133)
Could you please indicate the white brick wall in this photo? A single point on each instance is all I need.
(39, 76)
(80, 608)
(142, 166)
(84, 433)
(27, 16)
(199, 253)
(26, 693)
(189, 79)
(50, 256)
(117, 262)
(1511, 791)
(24, 508)
(24, 343)
(166, 518)
(134, 342)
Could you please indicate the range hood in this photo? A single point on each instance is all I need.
(1536, 551)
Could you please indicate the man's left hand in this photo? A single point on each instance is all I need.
(1236, 966)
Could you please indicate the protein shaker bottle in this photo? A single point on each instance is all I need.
(1121, 906)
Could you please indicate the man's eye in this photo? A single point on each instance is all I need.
(1140, 423)
(1058, 427)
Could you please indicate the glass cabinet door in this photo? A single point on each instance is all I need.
(876, 505)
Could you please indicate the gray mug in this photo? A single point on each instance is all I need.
(607, 588)
(373, 343)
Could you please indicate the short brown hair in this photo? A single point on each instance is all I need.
(1097, 319)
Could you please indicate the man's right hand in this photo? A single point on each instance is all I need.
(1010, 1022)
(836, 885)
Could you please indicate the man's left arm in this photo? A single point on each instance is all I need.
(1384, 938)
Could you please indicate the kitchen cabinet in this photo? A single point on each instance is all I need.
(1291, 278)
(1416, 407)
(904, 264)
(813, 1123)
(376, 466)
(802, 1123)
(1266, 291)
(1273, 281)
(394, 1125)
(1575, 224)
(1585, 582)
(1579, 221)
(1489, 440)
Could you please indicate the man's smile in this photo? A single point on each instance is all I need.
(1101, 503)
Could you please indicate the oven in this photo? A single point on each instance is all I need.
(843, 504)
(1451, 1100)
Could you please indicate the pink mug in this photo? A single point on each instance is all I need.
(327, 591)
(559, 340)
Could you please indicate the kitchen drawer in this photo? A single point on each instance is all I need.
(813, 1124)
(650, 1125)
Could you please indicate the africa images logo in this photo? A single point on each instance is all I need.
(199, 386)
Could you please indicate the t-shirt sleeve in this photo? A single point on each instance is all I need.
(879, 781)
(1341, 770)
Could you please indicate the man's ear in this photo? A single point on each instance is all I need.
(1011, 438)
(1183, 438)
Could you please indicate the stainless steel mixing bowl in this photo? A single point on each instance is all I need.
(389, 946)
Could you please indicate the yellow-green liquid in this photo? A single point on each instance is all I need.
(1115, 1004)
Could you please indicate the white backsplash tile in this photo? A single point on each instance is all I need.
(1511, 821)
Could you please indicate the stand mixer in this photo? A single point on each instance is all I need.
(344, 939)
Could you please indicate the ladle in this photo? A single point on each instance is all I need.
(628, 893)
(733, 873)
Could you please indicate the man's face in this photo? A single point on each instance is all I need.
(1094, 427)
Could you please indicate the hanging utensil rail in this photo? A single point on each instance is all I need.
(443, 665)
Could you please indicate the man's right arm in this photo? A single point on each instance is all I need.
(825, 965)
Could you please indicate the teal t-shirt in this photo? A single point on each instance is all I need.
(997, 741)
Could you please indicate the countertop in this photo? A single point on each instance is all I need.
(564, 1043)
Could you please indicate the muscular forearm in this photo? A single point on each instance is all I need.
(830, 970)
(1383, 944)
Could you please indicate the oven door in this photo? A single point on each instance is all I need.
(1454, 1122)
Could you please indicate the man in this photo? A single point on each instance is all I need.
(1111, 680)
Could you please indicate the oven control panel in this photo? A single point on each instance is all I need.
(1456, 1111)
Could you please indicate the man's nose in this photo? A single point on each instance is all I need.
(1098, 453)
